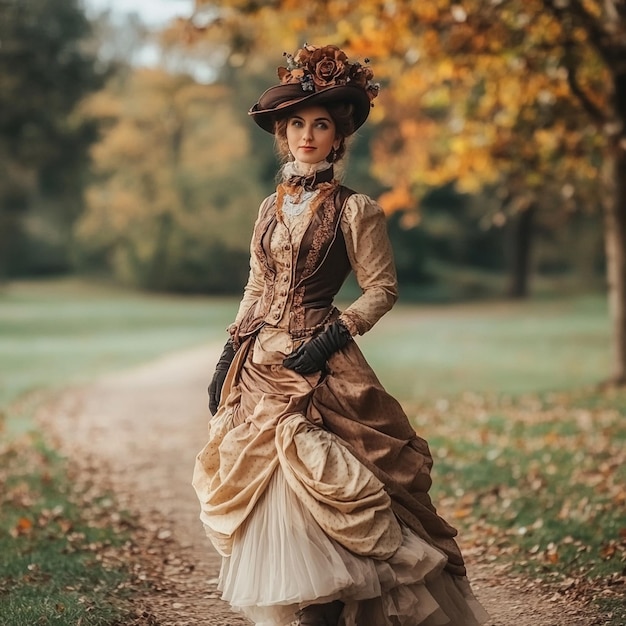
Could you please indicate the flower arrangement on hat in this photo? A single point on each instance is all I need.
(319, 68)
(317, 75)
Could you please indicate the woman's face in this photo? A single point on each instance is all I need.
(311, 134)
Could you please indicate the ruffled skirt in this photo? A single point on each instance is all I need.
(314, 489)
(282, 560)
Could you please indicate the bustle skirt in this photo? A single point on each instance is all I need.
(301, 516)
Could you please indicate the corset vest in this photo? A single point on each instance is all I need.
(319, 270)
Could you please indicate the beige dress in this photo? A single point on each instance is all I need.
(299, 510)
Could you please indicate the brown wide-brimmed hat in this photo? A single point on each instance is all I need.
(317, 76)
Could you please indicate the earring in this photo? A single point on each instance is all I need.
(332, 156)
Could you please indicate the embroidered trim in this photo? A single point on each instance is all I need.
(322, 235)
(264, 223)
(301, 332)
(354, 323)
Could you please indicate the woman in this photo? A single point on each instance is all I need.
(313, 485)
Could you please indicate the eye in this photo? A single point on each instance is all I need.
(322, 125)
(295, 122)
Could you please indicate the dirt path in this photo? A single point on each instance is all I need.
(140, 430)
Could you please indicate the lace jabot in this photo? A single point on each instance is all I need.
(321, 172)
(301, 192)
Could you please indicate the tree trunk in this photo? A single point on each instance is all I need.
(156, 277)
(522, 233)
(615, 236)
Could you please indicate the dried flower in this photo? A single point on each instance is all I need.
(317, 68)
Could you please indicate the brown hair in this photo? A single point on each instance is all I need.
(342, 115)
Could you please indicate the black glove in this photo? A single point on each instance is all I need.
(217, 382)
(312, 356)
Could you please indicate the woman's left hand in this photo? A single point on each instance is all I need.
(311, 357)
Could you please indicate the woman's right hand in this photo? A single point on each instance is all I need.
(221, 369)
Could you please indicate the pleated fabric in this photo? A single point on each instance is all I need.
(314, 489)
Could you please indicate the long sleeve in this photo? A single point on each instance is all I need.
(369, 250)
(254, 287)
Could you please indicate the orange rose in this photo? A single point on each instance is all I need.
(328, 66)
(317, 68)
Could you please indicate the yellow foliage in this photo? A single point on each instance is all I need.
(430, 42)
(101, 105)
(472, 90)
(409, 129)
(397, 199)
(426, 12)
(168, 137)
(594, 7)
(546, 140)
(124, 141)
(445, 69)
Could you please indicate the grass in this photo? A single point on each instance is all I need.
(59, 535)
(500, 348)
(529, 459)
(544, 476)
(64, 332)
(538, 482)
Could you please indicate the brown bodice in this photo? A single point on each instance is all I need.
(319, 267)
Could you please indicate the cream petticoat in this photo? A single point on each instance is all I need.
(281, 560)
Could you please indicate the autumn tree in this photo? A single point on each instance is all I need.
(167, 209)
(45, 70)
(527, 96)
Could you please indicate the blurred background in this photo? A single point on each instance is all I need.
(127, 153)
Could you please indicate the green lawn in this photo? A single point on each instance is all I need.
(56, 332)
(61, 332)
(530, 454)
(503, 348)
